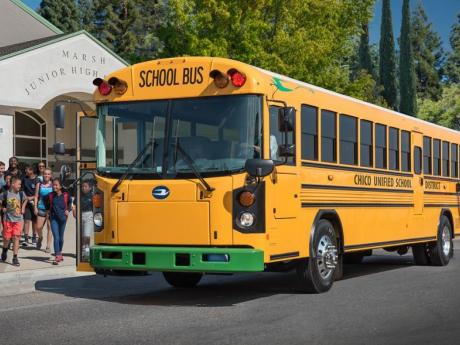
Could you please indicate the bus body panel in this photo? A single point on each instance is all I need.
(377, 207)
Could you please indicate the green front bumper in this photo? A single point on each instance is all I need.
(183, 259)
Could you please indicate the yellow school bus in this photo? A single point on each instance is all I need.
(209, 165)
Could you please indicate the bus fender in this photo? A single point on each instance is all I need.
(446, 212)
(333, 217)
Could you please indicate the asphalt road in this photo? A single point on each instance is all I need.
(385, 300)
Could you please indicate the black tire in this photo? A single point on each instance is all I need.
(420, 253)
(182, 279)
(313, 275)
(442, 250)
(353, 258)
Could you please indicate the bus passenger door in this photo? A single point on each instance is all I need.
(285, 191)
(417, 139)
(85, 167)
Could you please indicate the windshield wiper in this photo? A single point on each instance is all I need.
(191, 164)
(134, 163)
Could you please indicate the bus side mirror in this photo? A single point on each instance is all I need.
(65, 172)
(286, 119)
(59, 116)
(59, 149)
(259, 167)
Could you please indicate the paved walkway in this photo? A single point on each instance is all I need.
(31, 258)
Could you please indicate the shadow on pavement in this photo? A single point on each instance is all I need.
(213, 291)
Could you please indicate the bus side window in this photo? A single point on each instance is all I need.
(436, 157)
(427, 166)
(454, 160)
(309, 132)
(328, 136)
(394, 148)
(417, 160)
(380, 146)
(366, 143)
(445, 159)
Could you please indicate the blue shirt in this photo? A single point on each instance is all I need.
(59, 206)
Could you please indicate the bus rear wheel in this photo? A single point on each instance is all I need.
(182, 279)
(316, 274)
(442, 250)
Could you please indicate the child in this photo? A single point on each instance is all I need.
(2, 175)
(41, 203)
(60, 206)
(86, 209)
(41, 167)
(29, 183)
(14, 203)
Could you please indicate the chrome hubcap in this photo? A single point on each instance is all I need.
(326, 256)
(446, 241)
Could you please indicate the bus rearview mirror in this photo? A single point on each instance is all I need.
(286, 119)
(59, 116)
(259, 167)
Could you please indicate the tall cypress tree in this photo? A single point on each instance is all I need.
(387, 70)
(453, 60)
(62, 13)
(407, 86)
(364, 53)
(428, 56)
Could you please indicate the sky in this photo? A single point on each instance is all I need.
(442, 13)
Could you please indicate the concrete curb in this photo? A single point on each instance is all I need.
(20, 282)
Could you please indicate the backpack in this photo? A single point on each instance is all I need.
(51, 198)
(22, 197)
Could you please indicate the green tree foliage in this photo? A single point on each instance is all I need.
(62, 13)
(446, 111)
(87, 17)
(387, 68)
(453, 60)
(428, 55)
(107, 26)
(305, 39)
(407, 86)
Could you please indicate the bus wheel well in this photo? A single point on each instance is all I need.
(448, 214)
(333, 217)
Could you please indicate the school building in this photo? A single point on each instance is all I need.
(39, 66)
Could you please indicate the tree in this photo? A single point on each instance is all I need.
(364, 52)
(428, 55)
(87, 18)
(107, 23)
(387, 68)
(61, 13)
(453, 60)
(305, 39)
(444, 112)
(407, 86)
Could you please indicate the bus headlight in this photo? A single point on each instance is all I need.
(247, 219)
(98, 219)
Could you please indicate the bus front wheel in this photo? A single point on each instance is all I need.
(316, 274)
(182, 279)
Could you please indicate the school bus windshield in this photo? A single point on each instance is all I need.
(217, 133)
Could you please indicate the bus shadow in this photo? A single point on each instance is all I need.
(213, 291)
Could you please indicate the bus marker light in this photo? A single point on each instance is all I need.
(220, 79)
(238, 79)
(103, 87)
(247, 198)
(97, 200)
(119, 86)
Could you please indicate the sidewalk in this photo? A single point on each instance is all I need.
(37, 265)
